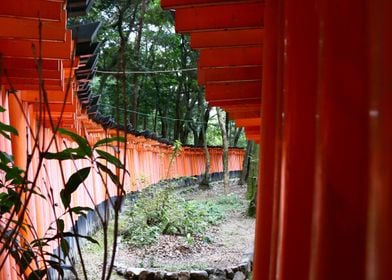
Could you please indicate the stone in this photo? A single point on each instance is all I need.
(239, 276)
(229, 273)
(199, 275)
(183, 275)
(220, 273)
(170, 276)
(216, 277)
(147, 275)
(133, 273)
(159, 275)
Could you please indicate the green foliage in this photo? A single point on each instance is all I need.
(161, 211)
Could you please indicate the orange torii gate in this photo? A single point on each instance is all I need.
(311, 81)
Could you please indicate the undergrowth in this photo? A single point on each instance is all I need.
(163, 211)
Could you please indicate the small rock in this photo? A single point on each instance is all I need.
(147, 275)
(133, 273)
(121, 271)
(170, 276)
(229, 273)
(183, 275)
(220, 273)
(215, 277)
(239, 276)
(199, 275)
(159, 275)
(210, 271)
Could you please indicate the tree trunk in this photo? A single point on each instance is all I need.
(253, 181)
(246, 163)
(223, 127)
(136, 57)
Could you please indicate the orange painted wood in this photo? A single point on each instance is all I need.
(343, 134)
(379, 234)
(227, 91)
(38, 9)
(300, 99)
(28, 29)
(236, 15)
(227, 38)
(216, 74)
(27, 63)
(244, 122)
(28, 49)
(29, 81)
(181, 3)
(268, 196)
(54, 96)
(29, 86)
(236, 102)
(32, 73)
(216, 57)
(249, 114)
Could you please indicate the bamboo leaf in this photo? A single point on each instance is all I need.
(110, 158)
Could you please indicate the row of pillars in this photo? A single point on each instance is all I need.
(325, 196)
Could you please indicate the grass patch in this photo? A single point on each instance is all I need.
(163, 211)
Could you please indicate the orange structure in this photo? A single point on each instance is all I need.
(45, 70)
(311, 82)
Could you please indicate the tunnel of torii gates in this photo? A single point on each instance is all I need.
(39, 55)
(310, 80)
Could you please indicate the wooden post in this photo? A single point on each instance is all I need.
(267, 212)
(300, 87)
(342, 165)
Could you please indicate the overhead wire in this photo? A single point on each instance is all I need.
(146, 71)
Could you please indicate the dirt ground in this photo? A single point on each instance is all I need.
(226, 246)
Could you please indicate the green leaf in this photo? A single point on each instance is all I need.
(5, 129)
(112, 176)
(72, 185)
(25, 260)
(37, 274)
(6, 158)
(69, 153)
(82, 142)
(64, 246)
(2, 110)
(60, 225)
(110, 158)
(81, 210)
(71, 234)
(109, 140)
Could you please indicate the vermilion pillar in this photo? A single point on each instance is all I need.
(342, 166)
(270, 151)
(300, 87)
(19, 143)
(379, 245)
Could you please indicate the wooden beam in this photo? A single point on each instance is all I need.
(171, 4)
(227, 38)
(233, 114)
(222, 74)
(237, 102)
(28, 29)
(221, 57)
(37, 9)
(9, 63)
(233, 91)
(26, 49)
(33, 74)
(236, 16)
(54, 96)
(245, 122)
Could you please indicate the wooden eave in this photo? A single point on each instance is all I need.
(229, 36)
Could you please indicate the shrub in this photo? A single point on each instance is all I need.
(161, 211)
